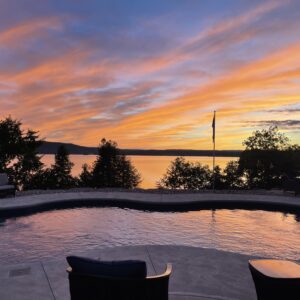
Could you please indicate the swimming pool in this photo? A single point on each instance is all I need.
(58, 233)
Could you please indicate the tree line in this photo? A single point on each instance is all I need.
(268, 158)
(19, 158)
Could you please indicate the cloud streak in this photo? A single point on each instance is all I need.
(77, 78)
(280, 123)
(22, 32)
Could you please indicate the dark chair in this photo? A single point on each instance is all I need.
(6, 189)
(92, 286)
(276, 279)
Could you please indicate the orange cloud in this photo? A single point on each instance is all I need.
(279, 70)
(16, 35)
(83, 95)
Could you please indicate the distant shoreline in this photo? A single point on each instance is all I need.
(51, 148)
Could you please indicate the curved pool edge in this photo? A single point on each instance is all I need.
(11, 207)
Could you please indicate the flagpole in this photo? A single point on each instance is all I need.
(214, 163)
(214, 150)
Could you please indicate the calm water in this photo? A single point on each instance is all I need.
(151, 168)
(58, 233)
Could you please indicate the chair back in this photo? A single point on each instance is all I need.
(92, 287)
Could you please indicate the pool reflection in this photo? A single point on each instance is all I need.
(58, 233)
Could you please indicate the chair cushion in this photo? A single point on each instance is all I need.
(121, 269)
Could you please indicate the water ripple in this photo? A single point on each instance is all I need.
(59, 233)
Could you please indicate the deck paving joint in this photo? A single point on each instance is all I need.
(151, 260)
(48, 280)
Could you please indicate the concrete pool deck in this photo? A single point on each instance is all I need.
(157, 201)
(198, 274)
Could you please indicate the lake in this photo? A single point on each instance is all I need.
(151, 168)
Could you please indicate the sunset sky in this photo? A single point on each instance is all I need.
(149, 74)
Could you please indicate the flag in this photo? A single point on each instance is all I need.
(213, 125)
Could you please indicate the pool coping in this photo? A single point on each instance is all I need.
(24, 205)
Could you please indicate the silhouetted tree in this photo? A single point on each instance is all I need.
(43, 179)
(218, 178)
(266, 140)
(128, 174)
(11, 137)
(232, 176)
(18, 152)
(182, 174)
(86, 176)
(112, 169)
(58, 176)
(268, 155)
(61, 170)
(28, 163)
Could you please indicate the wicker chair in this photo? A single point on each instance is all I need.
(95, 287)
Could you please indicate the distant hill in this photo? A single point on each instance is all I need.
(51, 148)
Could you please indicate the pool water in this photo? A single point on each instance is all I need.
(58, 233)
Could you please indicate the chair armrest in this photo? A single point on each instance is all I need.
(167, 273)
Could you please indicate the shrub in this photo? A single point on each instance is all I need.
(182, 174)
(232, 176)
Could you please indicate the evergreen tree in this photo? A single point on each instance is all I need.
(85, 177)
(112, 169)
(61, 170)
(10, 142)
(128, 176)
(18, 153)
